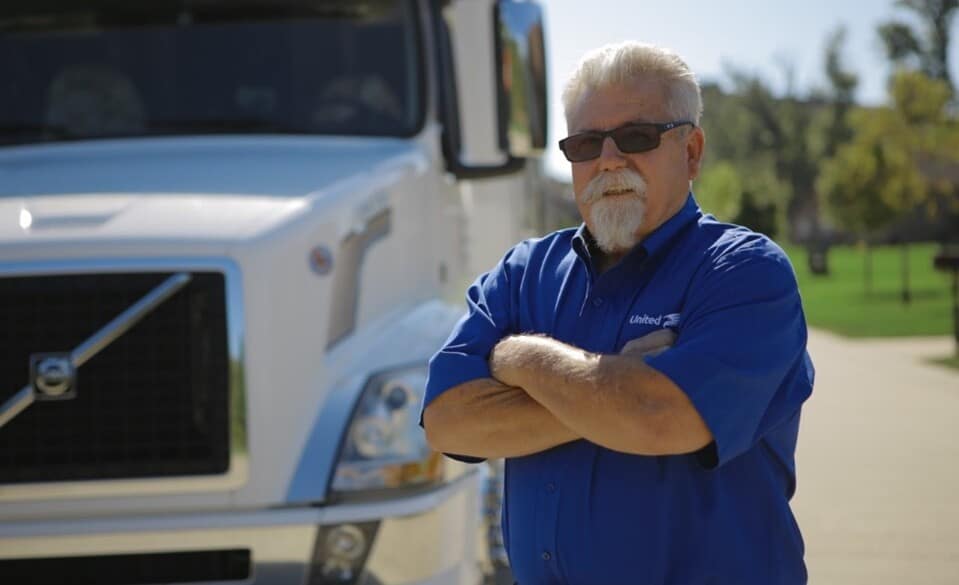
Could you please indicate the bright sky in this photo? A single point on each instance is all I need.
(756, 35)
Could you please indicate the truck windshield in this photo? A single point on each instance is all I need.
(119, 68)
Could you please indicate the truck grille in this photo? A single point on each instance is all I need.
(154, 403)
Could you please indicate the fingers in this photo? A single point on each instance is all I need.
(650, 344)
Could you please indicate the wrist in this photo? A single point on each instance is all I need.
(522, 360)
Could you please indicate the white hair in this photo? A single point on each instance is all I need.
(616, 64)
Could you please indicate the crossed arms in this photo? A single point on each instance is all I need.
(544, 393)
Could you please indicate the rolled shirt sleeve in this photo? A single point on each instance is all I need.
(489, 318)
(740, 354)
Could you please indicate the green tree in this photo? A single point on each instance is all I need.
(840, 93)
(876, 177)
(795, 133)
(921, 102)
(776, 137)
(720, 190)
(872, 179)
(857, 183)
(742, 193)
(927, 49)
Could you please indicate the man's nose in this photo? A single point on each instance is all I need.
(611, 157)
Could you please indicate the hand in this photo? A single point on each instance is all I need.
(650, 344)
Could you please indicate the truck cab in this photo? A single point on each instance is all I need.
(232, 234)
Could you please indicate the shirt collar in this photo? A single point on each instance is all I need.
(664, 234)
(654, 243)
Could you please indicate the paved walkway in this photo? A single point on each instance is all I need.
(878, 464)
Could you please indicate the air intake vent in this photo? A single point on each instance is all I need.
(136, 569)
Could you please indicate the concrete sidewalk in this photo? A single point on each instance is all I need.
(878, 464)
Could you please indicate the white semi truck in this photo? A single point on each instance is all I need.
(230, 235)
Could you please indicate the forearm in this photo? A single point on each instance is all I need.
(616, 401)
(484, 418)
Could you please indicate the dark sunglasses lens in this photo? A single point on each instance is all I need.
(583, 147)
(636, 138)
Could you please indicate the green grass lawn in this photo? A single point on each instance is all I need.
(838, 302)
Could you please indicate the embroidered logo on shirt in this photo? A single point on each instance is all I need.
(666, 321)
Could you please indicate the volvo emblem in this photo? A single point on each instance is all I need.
(53, 376)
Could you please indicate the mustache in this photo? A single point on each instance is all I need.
(624, 180)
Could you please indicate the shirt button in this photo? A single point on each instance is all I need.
(598, 302)
(546, 555)
(551, 487)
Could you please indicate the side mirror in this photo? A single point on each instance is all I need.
(522, 81)
(493, 70)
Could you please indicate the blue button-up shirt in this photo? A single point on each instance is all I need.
(583, 514)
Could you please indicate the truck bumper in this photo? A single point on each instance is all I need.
(429, 538)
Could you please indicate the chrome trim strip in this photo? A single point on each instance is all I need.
(238, 471)
(346, 275)
(233, 519)
(127, 319)
(16, 404)
(282, 540)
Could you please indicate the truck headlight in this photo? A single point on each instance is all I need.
(384, 446)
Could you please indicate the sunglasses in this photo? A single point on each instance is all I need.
(630, 138)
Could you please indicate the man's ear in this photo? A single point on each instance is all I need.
(695, 147)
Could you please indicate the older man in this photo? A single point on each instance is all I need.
(642, 374)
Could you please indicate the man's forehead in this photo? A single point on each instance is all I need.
(602, 108)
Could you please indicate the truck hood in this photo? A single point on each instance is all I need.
(192, 189)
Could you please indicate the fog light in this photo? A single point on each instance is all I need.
(345, 543)
(340, 553)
